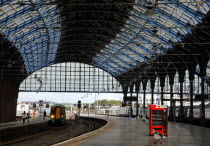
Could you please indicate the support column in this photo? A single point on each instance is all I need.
(203, 61)
(191, 69)
(171, 96)
(144, 89)
(144, 99)
(202, 116)
(125, 92)
(152, 82)
(171, 75)
(152, 95)
(191, 116)
(8, 101)
(131, 89)
(181, 81)
(181, 99)
(137, 93)
(171, 111)
(162, 96)
(162, 85)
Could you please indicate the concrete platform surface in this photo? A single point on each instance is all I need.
(20, 123)
(135, 133)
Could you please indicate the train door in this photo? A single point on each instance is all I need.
(58, 111)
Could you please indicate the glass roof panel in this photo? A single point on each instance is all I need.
(34, 28)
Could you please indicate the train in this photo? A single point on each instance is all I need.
(58, 114)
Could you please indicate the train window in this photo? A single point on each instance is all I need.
(53, 110)
(63, 110)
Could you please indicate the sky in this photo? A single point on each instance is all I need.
(68, 97)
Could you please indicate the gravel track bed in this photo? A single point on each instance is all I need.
(67, 132)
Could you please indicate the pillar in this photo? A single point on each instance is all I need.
(131, 89)
(144, 89)
(162, 85)
(203, 60)
(191, 69)
(171, 83)
(8, 101)
(191, 78)
(152, 82)
(125, 92)
(202, 116)
(203, 65)
(181, 81)
(137, 93)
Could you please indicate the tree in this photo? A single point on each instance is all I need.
(68, 108)
(107, 102)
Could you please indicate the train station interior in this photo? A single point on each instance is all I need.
(152, 48)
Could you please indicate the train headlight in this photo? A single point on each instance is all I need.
(52, 116)
(62, 116)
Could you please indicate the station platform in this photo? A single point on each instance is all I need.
(35, 120)
(15, 130)
(132, 132)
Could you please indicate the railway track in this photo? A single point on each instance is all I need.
(47, 131)
(57, 135)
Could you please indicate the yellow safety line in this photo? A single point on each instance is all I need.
(94, 135)
(25, 138)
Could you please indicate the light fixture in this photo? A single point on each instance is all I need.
(147, 25)
(149, 66)
(154, 49)
(155, 45)
(154, 32)
(156, 73)
(144, 80)
(179, 34)
(152, 59)
(150, 10)
(22, 69)
(198, 4)
(182, 45)
(9, 64)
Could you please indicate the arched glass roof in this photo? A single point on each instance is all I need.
(71, 77)
(34, 28)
